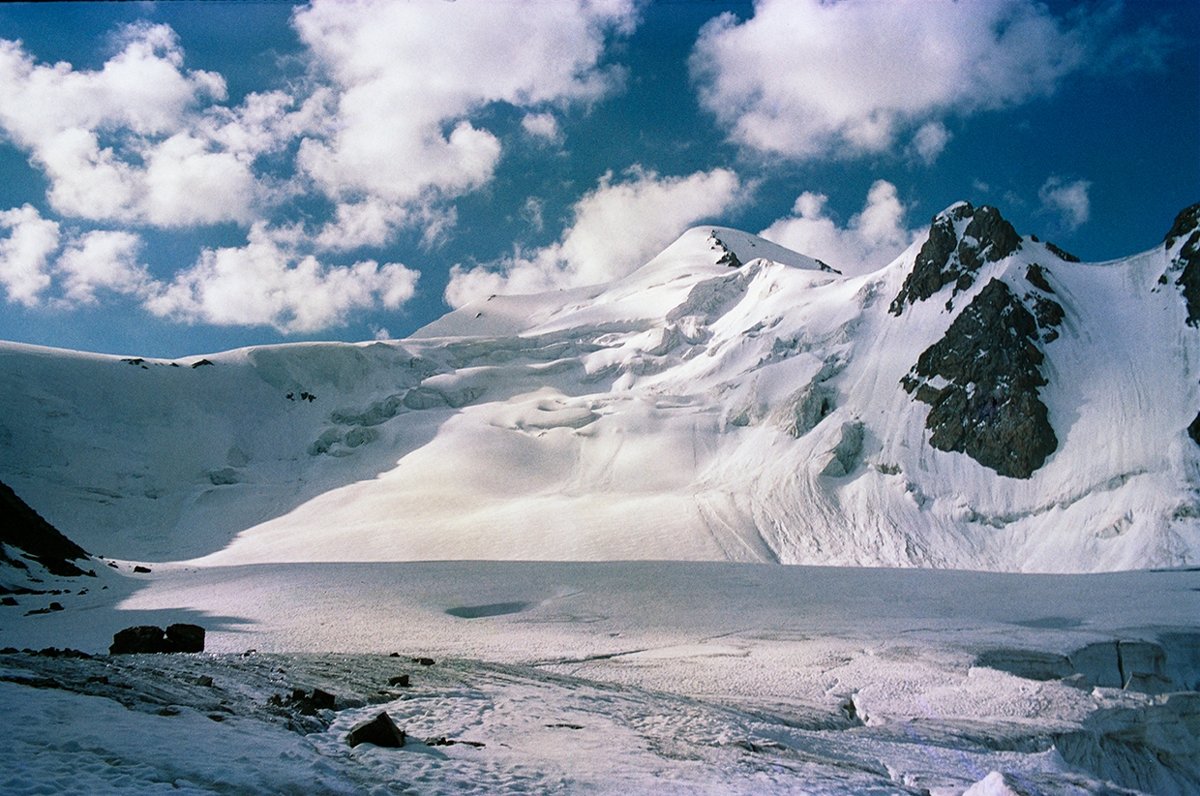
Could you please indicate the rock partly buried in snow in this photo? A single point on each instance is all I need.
(950, 256)
(379, 731)
(981, 382)
(1185, 234)
(147, 639)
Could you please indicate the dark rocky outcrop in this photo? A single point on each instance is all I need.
(981, 381)
(1061, 254)
(380, 731)
(25, 530)
(1186, 261)
(945, 258)
(1048, 312)
(147, 639)
(1194, 430)
(728, 257)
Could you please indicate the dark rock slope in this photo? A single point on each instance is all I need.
(981, 381)
(1186, 262)
(982, 378)
(24, 534)
(1185, 234)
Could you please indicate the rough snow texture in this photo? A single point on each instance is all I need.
(630, 677)
(688, 411)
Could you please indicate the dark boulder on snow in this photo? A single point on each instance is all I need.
(946, 257)
(1186, 261)
(183, 637)
(149, 639)
(981, 382)
(23, 529)
(138, 640)
(380, 731)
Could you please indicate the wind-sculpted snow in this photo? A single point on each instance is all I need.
(690, 410)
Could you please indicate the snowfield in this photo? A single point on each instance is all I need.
(574, 507)
(650, 677)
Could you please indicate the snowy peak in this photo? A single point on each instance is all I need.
(736, 248)
(961, 239)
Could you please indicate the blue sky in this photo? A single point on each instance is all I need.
(179, 178)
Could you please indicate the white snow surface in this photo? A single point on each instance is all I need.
(655, 417)
(624, 677)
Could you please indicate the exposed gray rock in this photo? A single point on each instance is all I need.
(380, 731)
(981, 381)
(945, 258)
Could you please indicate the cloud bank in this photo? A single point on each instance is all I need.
(871, 239)
(808, 79)
(381, 129)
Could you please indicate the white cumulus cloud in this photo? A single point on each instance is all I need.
(25, 254)
(870, 239)
(268, 283)
(1069, 202)
(408, 76)
(617, 227)
(114, 143)
(102, 259)
(818, 78)
(542, 126)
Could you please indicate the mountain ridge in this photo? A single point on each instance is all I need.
(713, 404)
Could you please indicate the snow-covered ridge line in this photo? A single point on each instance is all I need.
(730, 400)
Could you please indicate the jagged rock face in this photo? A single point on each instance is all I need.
(1187, 228)
(727, 255)
(23, 528)
(981, 381)
(946, 258)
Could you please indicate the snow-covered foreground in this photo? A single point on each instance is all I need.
(606, 677)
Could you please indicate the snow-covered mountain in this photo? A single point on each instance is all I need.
(985, 401)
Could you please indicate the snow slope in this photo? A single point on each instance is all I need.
(690, 411)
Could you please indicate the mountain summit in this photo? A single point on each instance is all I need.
(985, 401)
